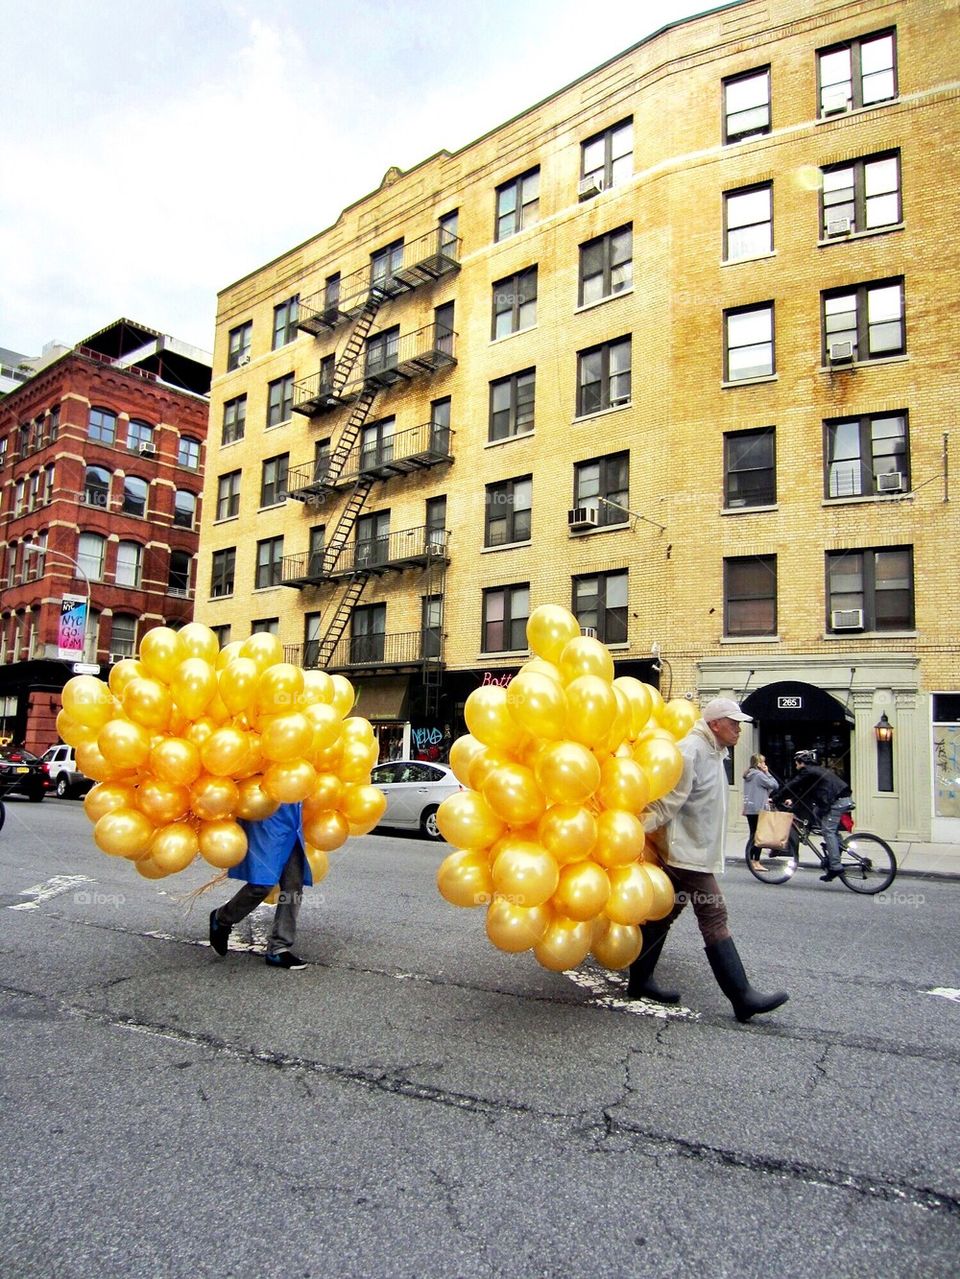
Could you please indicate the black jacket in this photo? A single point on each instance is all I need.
(813, 790)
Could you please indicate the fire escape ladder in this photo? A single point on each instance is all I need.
(340, 618)
(356, 340)
(349, 434)
(432, 666)
(348, 517)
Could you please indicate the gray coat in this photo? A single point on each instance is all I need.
(757, 789)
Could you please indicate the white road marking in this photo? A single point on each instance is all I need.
(604, 997)
(946, 992)
(54, 887)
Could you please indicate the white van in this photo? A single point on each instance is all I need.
(68, 781)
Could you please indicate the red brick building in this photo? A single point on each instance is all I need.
(101, 472)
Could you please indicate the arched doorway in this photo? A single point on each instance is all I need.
(793, 716)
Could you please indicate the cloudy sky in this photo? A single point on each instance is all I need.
(155, 153)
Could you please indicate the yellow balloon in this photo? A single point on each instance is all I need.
(317, 687)
(464, 878)
(662, 763)
(487, 761)
(549, 628)
(124, 744)
(343, 696)
(463, 752)
(327, 792)
(656, 701)
(124, 832)
(279, 688)
(515, 928)
(565, 944)
(224, 751)
(174, 847)
(325, 723)
(263, 648)
(162, 802)
(540, 667)
(237, 683)
(619, 838)
(326, 830)
(198, 730)
(286, 737)
(253, 761)
(357, 729)
(584, 655)
(591, 709)
(537, 704)
(623, 784)
(616, 945)
(214, 798)
(631, 896)
(582, 891)
(222, 843)
(72, 731)
(356, 761)
(664, 896)
(568, 832)
(253, 802)
(466, 820)
(319, 862)
(488, 717)
(175, 760)
(121, 675)
(147, 701)
(566, 772)
(228, 653)
(160, 652)
(193, 685)
(93, 763)
(107, 796)
(149, 869)
(88, 701)
(679, 716)
(197, 640)
(362, 806)
(638, 696)
(289, 782)
(524, 872)
(512, 792)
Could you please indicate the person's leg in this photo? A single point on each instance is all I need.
(288, 905)
(829, 827)
(240, 905)
(640, 983)
(750, 851)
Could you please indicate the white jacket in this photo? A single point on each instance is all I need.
(695, 811)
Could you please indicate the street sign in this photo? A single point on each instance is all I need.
(85, 668)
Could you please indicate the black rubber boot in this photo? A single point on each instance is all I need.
(640, 984)
(732, 980)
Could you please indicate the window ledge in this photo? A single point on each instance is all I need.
(508, 439)
(750, 381)
(275, 426)
(845, 115)
(616, 408)
(753, 257)
(505, 546)
(861, 235)
(227, 519)
(750, 510)
(860, 499)
(871, 635)
(863, 364)
(512, 653)
(272, 506)
(608, 297)
(750, 639)
(225, 444)
(213, 599)
(514, 333)
(601, 528)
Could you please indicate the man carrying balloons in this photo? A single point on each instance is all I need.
(693, 816)
(275, 855)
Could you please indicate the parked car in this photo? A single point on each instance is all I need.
(23, 773)
(414, 791)
(66, 777)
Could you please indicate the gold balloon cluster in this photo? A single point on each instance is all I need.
(186, 739)
(558, 766)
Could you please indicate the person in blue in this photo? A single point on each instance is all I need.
(275, 855)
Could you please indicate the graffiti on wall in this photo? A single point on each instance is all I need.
(946, 754)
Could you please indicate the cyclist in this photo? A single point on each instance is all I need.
(817, 793)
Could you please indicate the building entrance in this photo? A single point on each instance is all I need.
(793, 716)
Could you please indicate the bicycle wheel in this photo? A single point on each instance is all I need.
(867, 863)
(772, 867)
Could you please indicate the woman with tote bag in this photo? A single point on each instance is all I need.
(758, 785)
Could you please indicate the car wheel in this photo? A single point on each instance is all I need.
(36, 796)
(63, 790)
(428, 824)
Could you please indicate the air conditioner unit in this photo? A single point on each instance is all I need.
(582, 517)
(839, 226)
(243, 360)
(589, 631)
(148, 450)
(847, 619)
(892, 482)
(835, 102)
(840, 352)
(589, 186)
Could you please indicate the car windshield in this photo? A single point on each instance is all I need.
(17, 755)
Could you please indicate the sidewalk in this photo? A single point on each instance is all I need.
(925, 861)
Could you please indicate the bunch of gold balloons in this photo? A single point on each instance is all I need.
(186, 739)
(558, 767)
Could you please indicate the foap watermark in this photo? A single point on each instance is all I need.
(897, 898)
(92, 897)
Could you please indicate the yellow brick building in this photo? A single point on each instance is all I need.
(676, 348)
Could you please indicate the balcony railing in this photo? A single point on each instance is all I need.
(404, 648)
(415, 449)
(424, 260)
(408, 548)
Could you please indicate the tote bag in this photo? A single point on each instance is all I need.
(773, 830)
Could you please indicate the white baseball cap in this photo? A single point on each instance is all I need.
(723, 708)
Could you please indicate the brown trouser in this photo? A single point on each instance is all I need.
(703, 893)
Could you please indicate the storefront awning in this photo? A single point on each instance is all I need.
(796, 701)
(382, 697)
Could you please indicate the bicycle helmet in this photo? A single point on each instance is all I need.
(805, 757)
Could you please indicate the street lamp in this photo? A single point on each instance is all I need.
(34, 548)
(883, 729)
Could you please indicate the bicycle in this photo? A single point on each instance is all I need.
(867, 862)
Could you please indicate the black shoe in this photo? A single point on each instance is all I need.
(640, 983)
(732, 980)
(830, 875)
(219, 935)
(286, 959)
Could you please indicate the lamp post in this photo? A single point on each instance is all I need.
(32, 548)
(884, 729)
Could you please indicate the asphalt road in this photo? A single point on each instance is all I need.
(417, 1104)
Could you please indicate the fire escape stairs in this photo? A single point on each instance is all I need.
(348, 517)
(340, 618)
(356, 340)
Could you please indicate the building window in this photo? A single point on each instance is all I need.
(234, 420)
(600, 601)
(139, 434)
(382, 351)
(285, 322)
(311, 639)
(505, 613)
(228, 495)
(224, 565)
(748, 345)
(376, 444)
(280, 401)
(102, 426)
(96, 487)
(129, 562)
(367, 633)
(222, 633)
(188, 452)
(608, 156)
(602, 486)
(178, 580)
(508, 511)
(449, 240)
(436, 517)
(749, 468)
(518, 204)
(512, 405)
(748, 222)
(134, 495)
(603, 377)
(868, 316)
(606, 265)
(385, 263)
(431, 625)
(861, 195)
(238, 345)
(858, 73)
(265, 626)
(515, 303)
(123, 635)
(746, 105)
(184, 508)
(48, 484)
(3, 450)
(90, 550)
(870, 590)
(373, 539)
(867, 455)
(269, 562)
(273, 480)
(317, 539)
(750, 596)
(440, 425)
(331, 294)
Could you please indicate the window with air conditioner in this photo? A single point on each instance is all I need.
(866, 454)
(601, 488)
(857, 73)
(876, 582)
(863, 322)
(238, 345)
(600, 603)
(860, 195)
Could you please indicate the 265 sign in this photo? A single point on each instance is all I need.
(794, 703)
